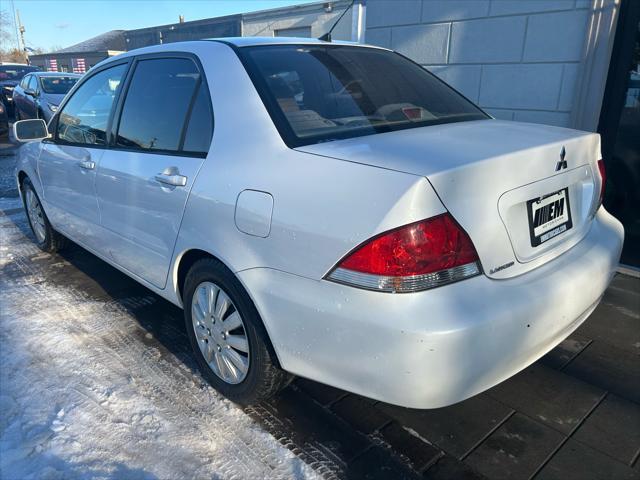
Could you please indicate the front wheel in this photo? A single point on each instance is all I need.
(227, 335)
(46, 237)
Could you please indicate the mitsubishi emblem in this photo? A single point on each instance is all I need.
(562, 163)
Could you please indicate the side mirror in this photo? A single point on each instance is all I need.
(30, 92)
(28, 130)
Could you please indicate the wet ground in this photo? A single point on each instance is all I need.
(573, 414)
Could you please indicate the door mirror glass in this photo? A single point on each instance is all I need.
(27, 130)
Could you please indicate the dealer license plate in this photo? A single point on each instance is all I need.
(549, 216)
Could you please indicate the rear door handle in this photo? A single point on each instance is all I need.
(171, 178)
(87, 164)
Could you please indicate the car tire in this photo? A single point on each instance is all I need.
(262, 378)
(46, 237)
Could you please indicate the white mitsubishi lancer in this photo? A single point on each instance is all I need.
(327, 210)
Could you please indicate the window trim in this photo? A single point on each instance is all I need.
(280, 121)
(117, 114)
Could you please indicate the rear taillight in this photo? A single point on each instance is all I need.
(603, 181)
(418, 256)
(412, 113)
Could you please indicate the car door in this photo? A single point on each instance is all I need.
(31, 99)
(67, 163)
(19, 94)
(29, 105)
(160, 141)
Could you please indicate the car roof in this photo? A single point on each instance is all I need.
(233, 42)
(253, 41)
(17, 65)
(55, 74)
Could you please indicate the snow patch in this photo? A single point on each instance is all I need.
(82, 396)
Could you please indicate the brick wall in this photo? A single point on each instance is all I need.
(518, 59)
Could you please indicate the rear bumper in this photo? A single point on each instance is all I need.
(437, 347)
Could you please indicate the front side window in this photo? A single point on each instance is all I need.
(157, 104)
(24, 82)
(33, 84)
(327, 92)
(57, 85)
(85, 117)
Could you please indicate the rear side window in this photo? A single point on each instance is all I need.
(85, 117)
(157, 105)
(200, 127)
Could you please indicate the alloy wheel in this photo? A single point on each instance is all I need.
(220, 333)
(36, 216)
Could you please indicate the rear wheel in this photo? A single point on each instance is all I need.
(46, 237)
(227, 335)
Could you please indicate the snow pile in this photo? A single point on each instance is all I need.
(83, 395)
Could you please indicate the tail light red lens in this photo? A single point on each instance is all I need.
(414, 257)
(412, 113)
(603, 180)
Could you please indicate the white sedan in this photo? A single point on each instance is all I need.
(326, 210)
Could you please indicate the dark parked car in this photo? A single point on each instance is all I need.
(10, 76)
(39, 94)
(4, 121)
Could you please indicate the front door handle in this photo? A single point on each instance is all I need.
(87, 164)
(171, 176)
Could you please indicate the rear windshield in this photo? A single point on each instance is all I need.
(327, 92)
(59, 85)
(15, 72)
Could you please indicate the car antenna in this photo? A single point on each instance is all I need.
(327, 36)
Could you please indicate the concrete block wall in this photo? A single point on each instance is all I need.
(316, 16)
(518, 59)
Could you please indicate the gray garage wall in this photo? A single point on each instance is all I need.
(306, 19)
(518, 59)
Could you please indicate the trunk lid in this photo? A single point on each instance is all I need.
(486, 173)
